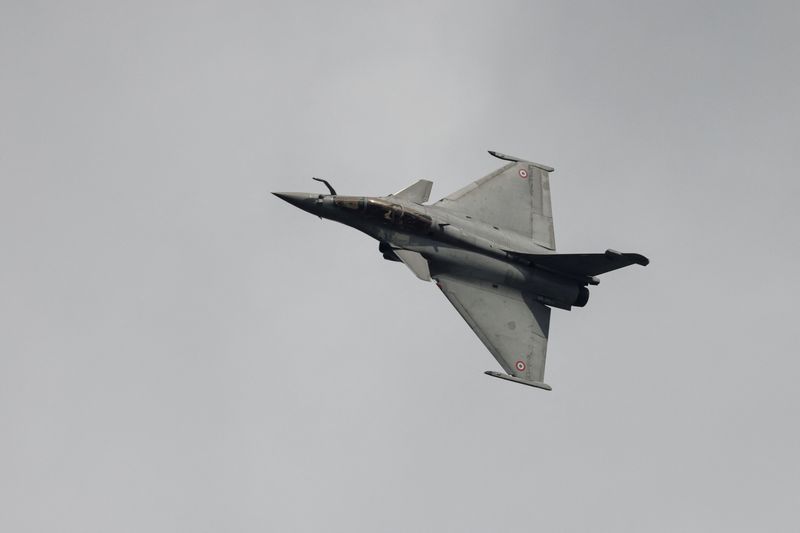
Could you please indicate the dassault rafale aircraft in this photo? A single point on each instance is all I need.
(490, 247)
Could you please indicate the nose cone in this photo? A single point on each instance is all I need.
(303, 200)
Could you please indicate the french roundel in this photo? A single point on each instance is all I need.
(520, 365)
(523, 173)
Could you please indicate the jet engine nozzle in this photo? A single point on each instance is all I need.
(583, 297)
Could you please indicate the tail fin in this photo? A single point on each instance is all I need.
(584, 265)
(417, 192)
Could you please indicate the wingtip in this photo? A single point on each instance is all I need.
(506, 157)
(536, 384)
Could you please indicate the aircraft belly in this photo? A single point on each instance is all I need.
(473, 265)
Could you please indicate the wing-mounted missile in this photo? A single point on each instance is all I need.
(506, 157)
(537, 384)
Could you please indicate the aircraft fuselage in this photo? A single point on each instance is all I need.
(452, 243)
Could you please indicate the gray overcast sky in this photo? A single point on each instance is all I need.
(181, 351)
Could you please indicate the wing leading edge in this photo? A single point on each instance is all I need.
(513, 327)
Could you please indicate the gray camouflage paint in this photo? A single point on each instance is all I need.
(490, 247)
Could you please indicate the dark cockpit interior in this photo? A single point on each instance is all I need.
(385, 212)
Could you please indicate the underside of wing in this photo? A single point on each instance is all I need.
(515, 197)
(513, 327)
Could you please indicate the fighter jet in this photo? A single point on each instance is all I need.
(490, 248)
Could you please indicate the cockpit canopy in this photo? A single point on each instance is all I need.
(354, 203)
(385, 212)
